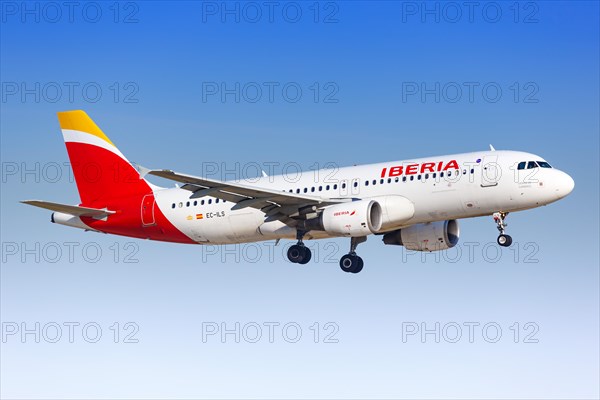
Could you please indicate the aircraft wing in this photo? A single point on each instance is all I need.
(271, 201)
(68, 209)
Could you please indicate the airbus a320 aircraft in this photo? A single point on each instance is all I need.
(413, 203)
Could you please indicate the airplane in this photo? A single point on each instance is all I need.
(413, 203)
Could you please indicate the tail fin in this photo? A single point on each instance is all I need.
(101, 171)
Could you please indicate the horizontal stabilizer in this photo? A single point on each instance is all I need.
(77, 211)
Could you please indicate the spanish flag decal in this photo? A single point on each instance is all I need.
(199, 216)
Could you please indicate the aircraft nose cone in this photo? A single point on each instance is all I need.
(564, 185)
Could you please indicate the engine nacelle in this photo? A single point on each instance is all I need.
(356, 218)
(397, 211)
(432, 236)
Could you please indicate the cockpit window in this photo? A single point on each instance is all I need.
(544, 164)
(531, 164)
(521, 165)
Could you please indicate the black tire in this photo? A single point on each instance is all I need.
(351, 263)
(360, 265)
(295, 253)
(306, 256)
(504, 240)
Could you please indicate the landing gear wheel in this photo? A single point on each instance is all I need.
(360, 265)
(299, 254)
(351, 263)
(504, 240)
(306, 257)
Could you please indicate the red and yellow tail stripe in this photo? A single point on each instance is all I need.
(78, 127)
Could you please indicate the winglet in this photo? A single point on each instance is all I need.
(492, 148)
(143, 171)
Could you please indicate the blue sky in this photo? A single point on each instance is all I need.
(152, 75)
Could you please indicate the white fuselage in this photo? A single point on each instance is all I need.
(485, 182)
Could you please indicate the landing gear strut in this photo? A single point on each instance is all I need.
(351, 262)
(299, 253)
(503, 239)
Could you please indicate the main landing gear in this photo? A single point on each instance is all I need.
(351, 262)
(503, 239)
(299, 253)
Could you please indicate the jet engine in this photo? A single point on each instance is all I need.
(397, 211)
(356, 218)
(432, 236)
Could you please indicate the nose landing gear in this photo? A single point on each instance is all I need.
(503, 239)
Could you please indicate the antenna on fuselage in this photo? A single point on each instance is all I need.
(492, 148)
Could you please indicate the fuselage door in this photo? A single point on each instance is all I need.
(344, 188)
(148, 210)
(355, 187)
(491, 171)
